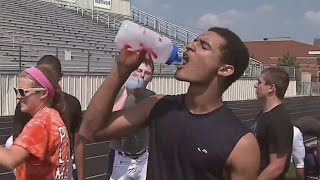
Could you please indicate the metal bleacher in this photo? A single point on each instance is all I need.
(40, 27)
(44, 28)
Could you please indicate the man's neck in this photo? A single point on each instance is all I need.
(139, 91)
(270, 103)
(203, 99)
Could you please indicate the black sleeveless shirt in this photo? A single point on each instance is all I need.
(186, 146)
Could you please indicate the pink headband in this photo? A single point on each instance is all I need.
(42, 79)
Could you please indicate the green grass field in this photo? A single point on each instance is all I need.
(291, 174)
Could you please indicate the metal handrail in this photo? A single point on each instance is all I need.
(16, 38)
(116, 24)
(73, 5)
(142, 16)
(161, 20)
(105, 17)
(188, 35)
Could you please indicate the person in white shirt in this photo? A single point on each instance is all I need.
(298, 153)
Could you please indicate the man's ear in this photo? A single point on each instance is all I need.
(226, 70)
(272, 88)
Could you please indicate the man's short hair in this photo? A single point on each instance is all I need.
(149, 62)
(278, 77)
(234, 53)
(53, 61)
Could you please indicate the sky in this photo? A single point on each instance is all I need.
(250, 19)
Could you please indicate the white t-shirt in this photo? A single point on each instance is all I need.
(298, 149)
(7, 145)
(9, 142)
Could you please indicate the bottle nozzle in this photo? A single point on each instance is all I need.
(134, 82)
(174, 56)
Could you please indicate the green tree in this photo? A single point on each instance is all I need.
(290, 64)
(288, 60)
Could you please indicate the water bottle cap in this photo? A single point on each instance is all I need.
(174, 56)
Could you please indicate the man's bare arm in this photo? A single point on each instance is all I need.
(119, 105)
(79, 156)
(275, 168)
(244, 160)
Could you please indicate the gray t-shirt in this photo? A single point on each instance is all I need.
(308, 125)
(138, 141)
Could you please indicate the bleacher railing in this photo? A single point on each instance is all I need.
(162, 26)
(14, 38)
(95, 15)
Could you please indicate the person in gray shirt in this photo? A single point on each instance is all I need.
(128, 157)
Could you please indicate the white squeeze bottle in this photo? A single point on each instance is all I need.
(160, 48)
(134, 82)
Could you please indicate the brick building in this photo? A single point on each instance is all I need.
(268, 52)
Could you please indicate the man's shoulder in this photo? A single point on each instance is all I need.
(169, 102)
(173, 98)
(70, 99)
(246, 147)
(248, 139)
(280, 108)
(277, 112)
(74, 108)
(148, 91)
(279, 119)
(226, 115)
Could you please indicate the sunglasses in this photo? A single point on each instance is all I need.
(22, 92)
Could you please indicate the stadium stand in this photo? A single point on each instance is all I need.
(44, 28)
